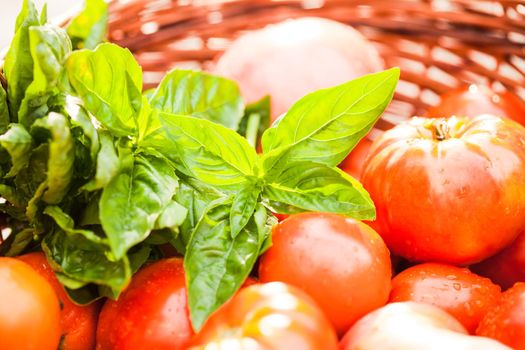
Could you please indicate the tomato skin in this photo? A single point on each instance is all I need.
(29, 309)
(353, 163)
(413, 326)
(506, 321)
(270, 316)
(461, 293)
(474, 100)
(507, 267)
(78, 322)
(151, 313)
(428, 201)
(327, 256)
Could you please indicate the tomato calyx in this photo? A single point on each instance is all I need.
(441, 130)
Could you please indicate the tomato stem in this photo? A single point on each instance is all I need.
(441, 130)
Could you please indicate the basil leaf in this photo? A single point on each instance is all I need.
(49, 47)
(80, 118)
(216, 265)
(18, 65)
(116, 104)
(21, 240)
(202, 149)
(256, 120)
(4, 111)
(12, 196)
(324, 126)
(201, 95)
(29, 179)
(108, 164)
(18, 143)
(89, 27)
(308, 186)
(60, 164)
(243, 206)
(172, 216)
(136, 196)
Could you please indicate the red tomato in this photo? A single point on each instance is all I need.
(461, 293)
(353, 164)
(506, 321)
(508, 266)
(29, 309)
(271, 316)
(78, 323)
(341, 263)
(152, 313)
(281, 217)
(413, 326)
(448, 190)
(474, 100)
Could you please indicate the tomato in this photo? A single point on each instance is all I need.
(269, 316)
(413, 326)
(448, 190)
(474, 100)
(506, 321)
(353, 163)
(341, 263)
(29, 309)
(151, 313)
(461, 293)
(78, 323)
(508, 266)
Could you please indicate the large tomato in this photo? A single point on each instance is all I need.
(152, 313)
(78, 323)
(29, 309)
(271, 316)
(353, 163)
(508, 266)
(461, 293)
(413, 326)
(474, 100)
(448, 190)
(506, 321)
(341, 263)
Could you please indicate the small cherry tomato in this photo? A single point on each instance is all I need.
(506, 321)
(341, 263)
(151, 313)
(271, 316)
(474, 100)
(508, 266)
(29, 309)
(448, 190)
(413, 326)
(78, 322)
(461, 293)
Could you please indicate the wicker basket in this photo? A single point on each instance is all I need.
(439, 44)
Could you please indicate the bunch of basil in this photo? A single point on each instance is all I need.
(98, 173)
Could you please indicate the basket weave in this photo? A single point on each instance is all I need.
(438, 44)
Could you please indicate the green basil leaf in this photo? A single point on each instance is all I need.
(172, 216)
(21, 240)
(18, 65)
(308, 186)
(324, 126)
(80, 118)
(4, 111)
(205, 150)
(18, 143)
(108, 164)
(89, 28)
(11, 195)
(29, 179)
(201, 95)
(61, 159)
(116, 104)
(216, 265)
(256, 120)
(243, 206)
(136, 196)
(49, 47)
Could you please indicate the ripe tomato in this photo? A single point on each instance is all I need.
(341, 263)
(151, 313)
(353, 164)
(474, 100)
(78, 323)
(29, 309)
(413, 326)
(508, 266)
(271, 316)
(448, 190)
(461, 293)
(506, 321)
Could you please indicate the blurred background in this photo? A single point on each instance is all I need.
(10, 9)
